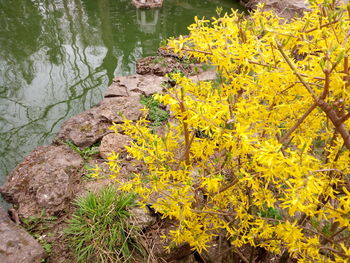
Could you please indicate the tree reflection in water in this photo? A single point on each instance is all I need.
(57, 57)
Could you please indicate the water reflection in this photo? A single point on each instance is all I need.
(147, 21)
(58, 56)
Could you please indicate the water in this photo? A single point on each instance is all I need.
(58, 56)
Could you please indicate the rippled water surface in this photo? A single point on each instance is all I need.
(58, 56)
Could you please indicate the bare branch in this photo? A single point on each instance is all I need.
(228, 186)
(345, 117)
(326, 84)
(190, 50)
(280, 48)
(245, 260)
(324, 25)
(297, 124)
(337, 122)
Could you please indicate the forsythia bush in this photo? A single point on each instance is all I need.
(262, 154)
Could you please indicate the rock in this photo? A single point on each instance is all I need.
(128, 167)
(180, 253)
(83, 129)
(115, 109)
(167, 63)
(117, 89)
(155, 245)
(169, 52)
(113, 142)
(141, 217)
(90, 126)
(147, 4)
(284, 8)
(16, 244)
(204, 76)
(159, 65)
(135, 85)
(219, 250)
(94, 186)
(46, 179)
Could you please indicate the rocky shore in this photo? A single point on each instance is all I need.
(51, 177)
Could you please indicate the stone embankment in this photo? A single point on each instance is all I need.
(50, 178)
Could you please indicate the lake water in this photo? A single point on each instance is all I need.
(58, 56)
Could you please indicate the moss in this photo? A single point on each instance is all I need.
(156, 114)
(85, 128)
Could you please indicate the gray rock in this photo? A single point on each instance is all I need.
(94, 186)
(83, 129)
(135, 85)
(167, 62)
(284, 8)
(46, 179)
(159, 65)
(141, 217)
(16, 244)
(147, 4)
(113, 142)
(113, 109)
(117, 89)
(204, 76)
(88, 127)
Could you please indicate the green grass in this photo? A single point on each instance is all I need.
(85, 153)
(270, 212)
(156, 114)
(160, 61)
(39, 227)
(99, 230)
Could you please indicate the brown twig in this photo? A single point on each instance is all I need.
(330, 112)
(245, 260)
(297, 124)
(280, 48)
(211, 212)
(191, 50)
(337, 122)
(322, 26)
(185, 127)
(336, 251)
(325, 92)
(228, 186)
(345, 117)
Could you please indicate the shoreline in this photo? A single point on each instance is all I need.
(48, 180)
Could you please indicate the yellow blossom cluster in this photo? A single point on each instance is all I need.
(262, 153)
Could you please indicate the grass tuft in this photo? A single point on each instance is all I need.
(85, 153)
(156, 114)
(99, 230)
